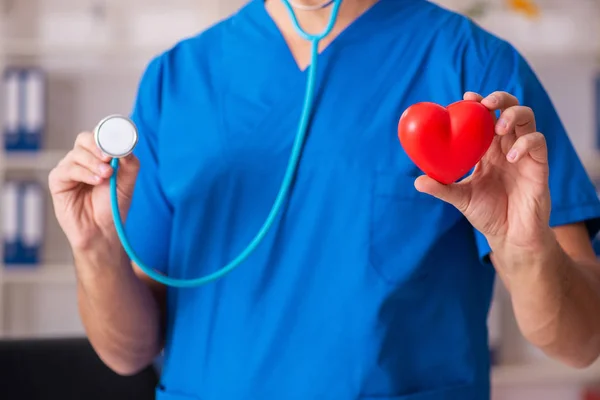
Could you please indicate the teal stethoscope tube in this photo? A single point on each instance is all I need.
(283, 190)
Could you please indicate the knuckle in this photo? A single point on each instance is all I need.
(83, 137)
(532, 140)
(527, 140)
(52, 175)
(509, 114)
(82, 156)
(473, 94)
(506, 98)
(526, 112)
(63, 160)
(539, 138)
(69, 157)
(500, 94)
(66, 159)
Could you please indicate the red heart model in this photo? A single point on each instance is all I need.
(446, 142)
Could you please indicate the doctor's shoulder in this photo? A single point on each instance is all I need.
(211, 41)
(201, 56)
(171, 69)
(463, 45)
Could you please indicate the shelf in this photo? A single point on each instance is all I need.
(32, 48)
(109, 58)
(32, 161)
(29, 274)
(544, 373)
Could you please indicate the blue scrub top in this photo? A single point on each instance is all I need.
(364, 288)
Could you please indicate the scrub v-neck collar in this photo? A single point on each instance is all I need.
(360, 29)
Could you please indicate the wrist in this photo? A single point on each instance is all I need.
(528, 256)
(100, 255)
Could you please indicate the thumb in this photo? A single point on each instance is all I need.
(456, 194)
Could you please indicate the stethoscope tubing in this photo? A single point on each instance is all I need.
(283, 192)
(314, 38)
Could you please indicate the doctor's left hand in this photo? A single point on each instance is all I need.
(507, 197)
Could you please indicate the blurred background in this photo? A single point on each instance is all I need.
(68, 63)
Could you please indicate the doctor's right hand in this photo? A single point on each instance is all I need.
(79, 186)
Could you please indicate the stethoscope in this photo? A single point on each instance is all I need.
(117, 136)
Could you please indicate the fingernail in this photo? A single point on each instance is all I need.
(492, 99)
(97, 179)
(502, 123)
(512, 155)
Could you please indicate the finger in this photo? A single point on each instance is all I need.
(130, 161)
(500, 101)
(533, 144)
(472, 96)
(85, 158)
(517, 119)
(86, 140)
(456, 194)
(66, 176)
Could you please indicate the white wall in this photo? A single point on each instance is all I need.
(570, 83)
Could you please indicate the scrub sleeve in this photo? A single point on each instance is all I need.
(148, 223)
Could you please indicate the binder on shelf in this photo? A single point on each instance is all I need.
(25, 103)
(32, 222)
(10, 222)
(23, 210)
(12, 102)
(34, 108)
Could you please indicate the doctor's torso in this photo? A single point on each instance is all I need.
(363, 288)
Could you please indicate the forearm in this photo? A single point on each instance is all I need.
(556, 302)
(118, 311)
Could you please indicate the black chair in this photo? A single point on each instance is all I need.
(66, 369)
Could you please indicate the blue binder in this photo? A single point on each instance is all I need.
(31, 232)
(33, 118)
(23, 216)
(25, 108)
(10, 222)
(12, 99)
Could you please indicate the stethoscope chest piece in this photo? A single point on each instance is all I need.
(116, 136)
